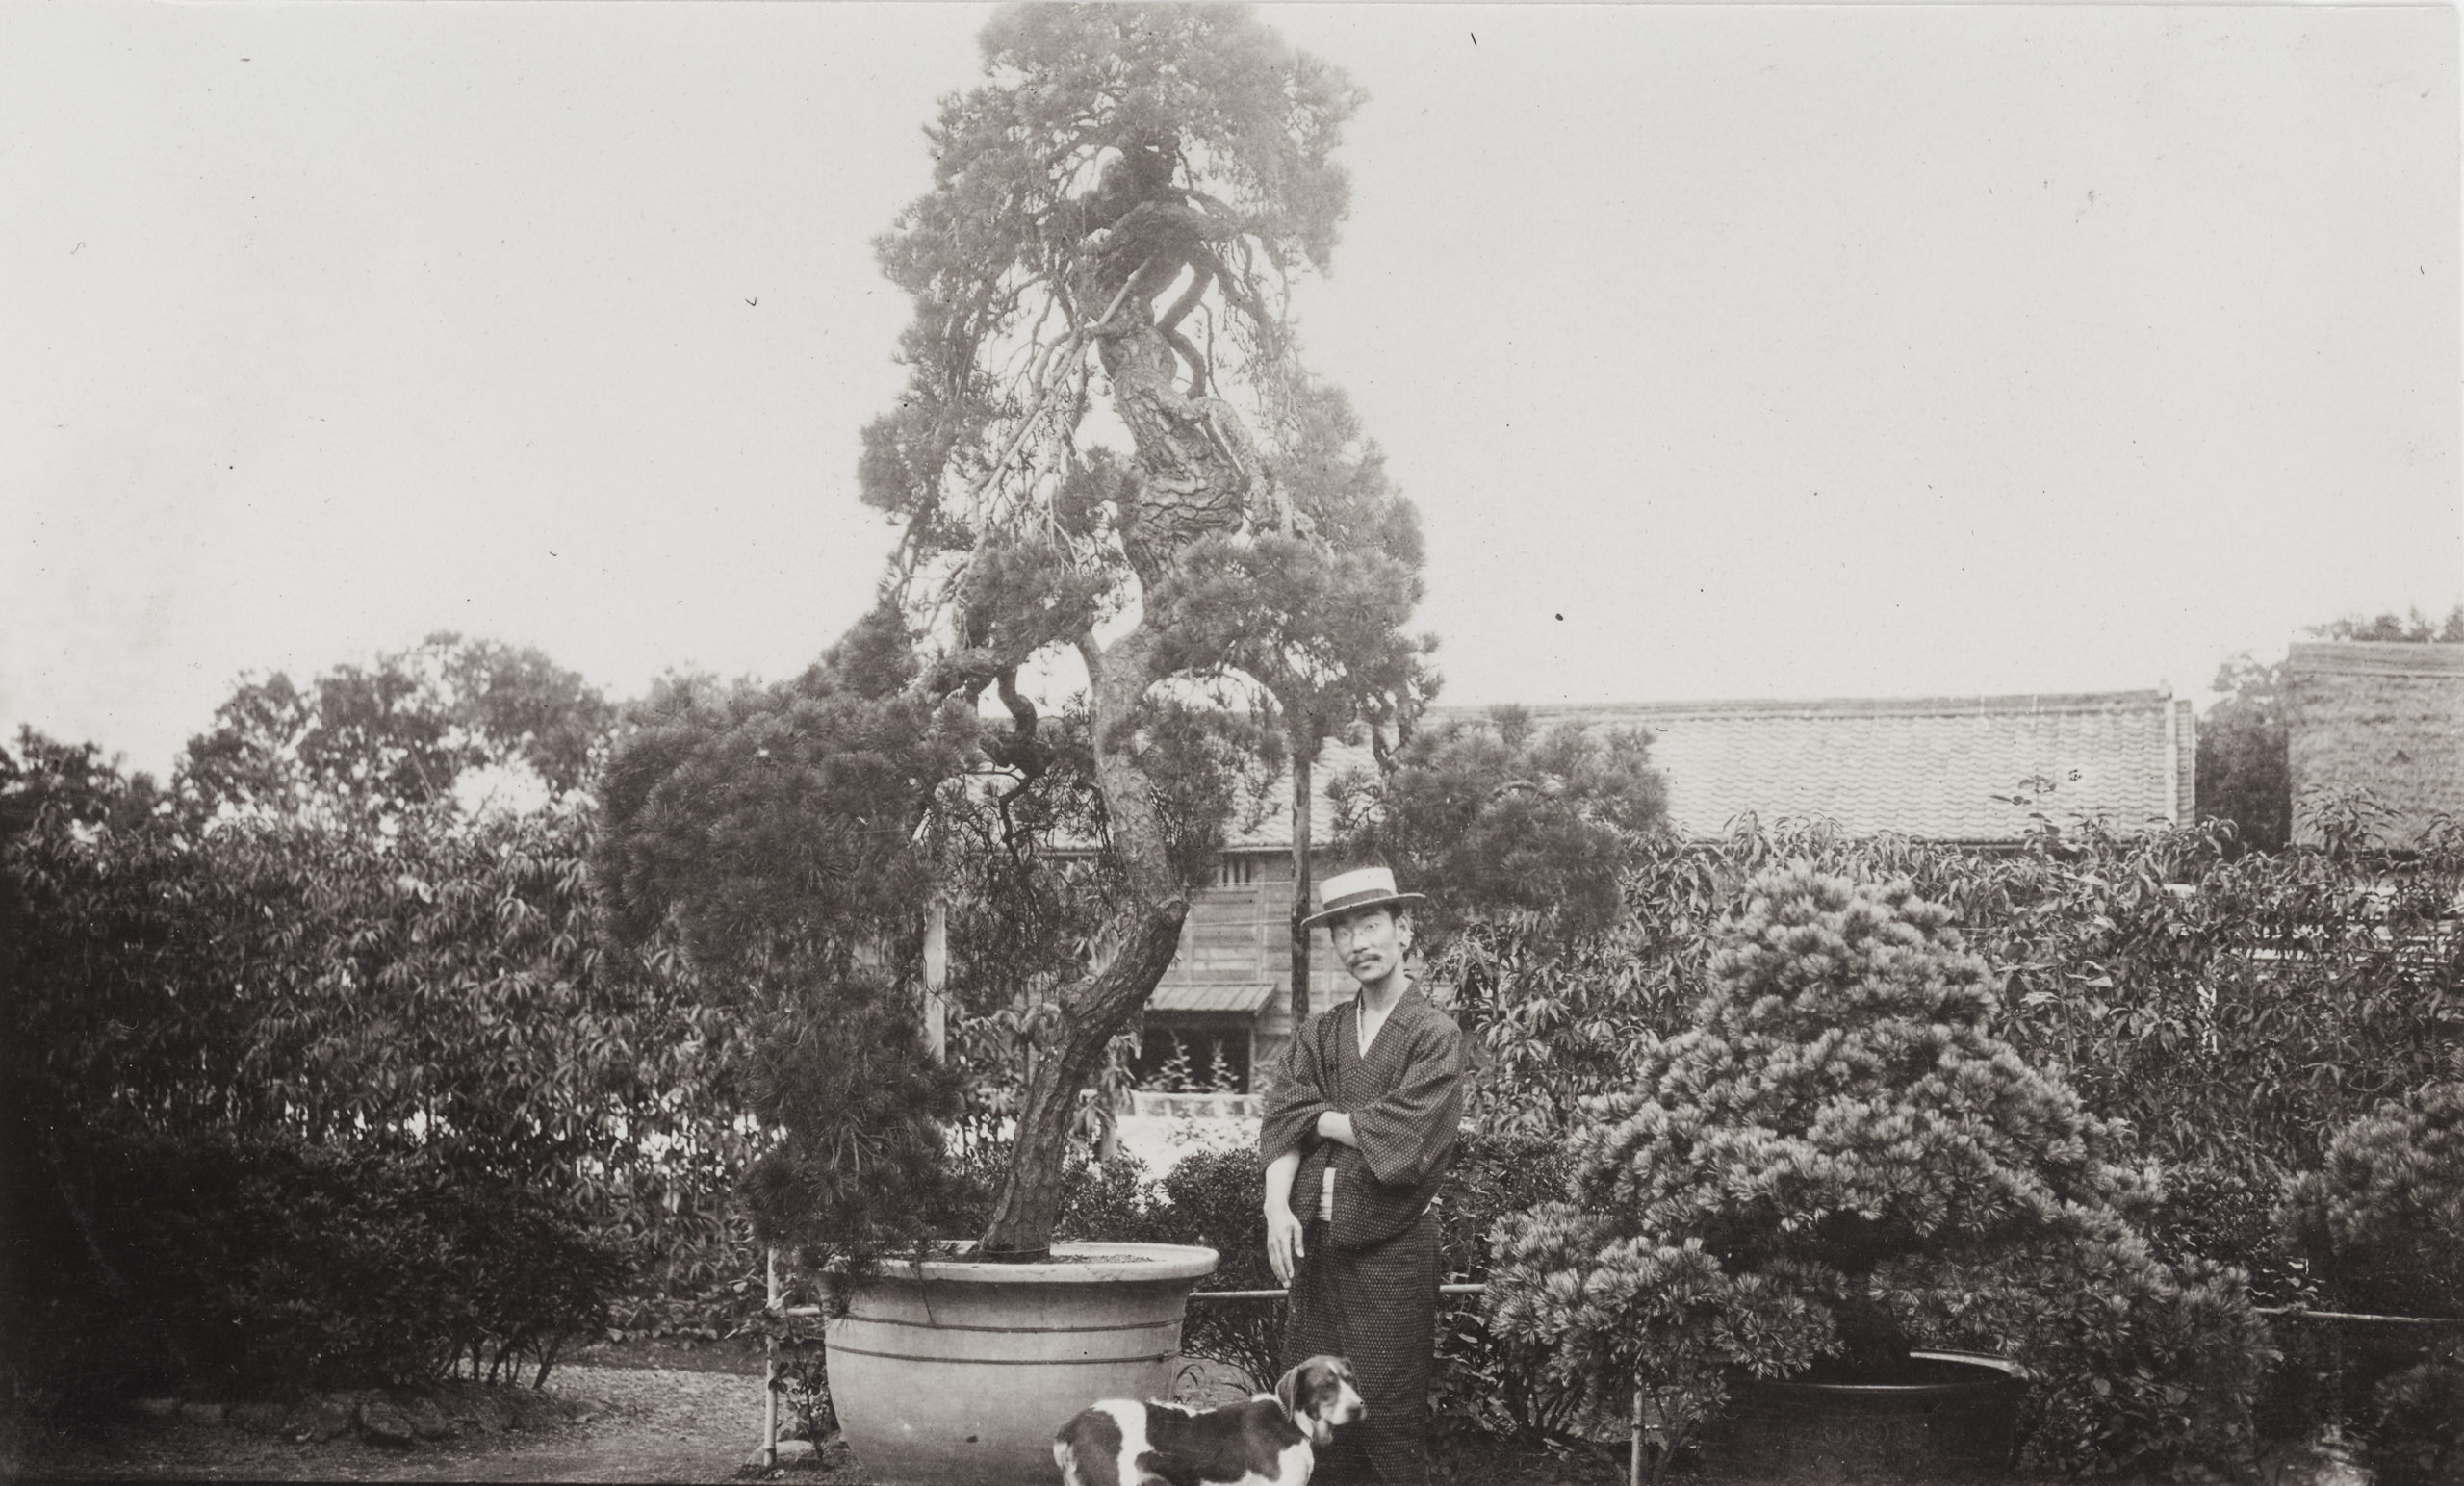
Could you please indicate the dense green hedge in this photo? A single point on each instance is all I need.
(250, 1268)
(345, 1091)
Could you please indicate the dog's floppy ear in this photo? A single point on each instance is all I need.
(1286, 1392)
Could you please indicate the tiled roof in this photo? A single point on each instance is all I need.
(2381, 716)
(1183, 996)
(1922, 766)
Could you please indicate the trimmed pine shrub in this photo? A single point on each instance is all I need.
(1839, 1160)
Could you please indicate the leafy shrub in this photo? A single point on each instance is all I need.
(1839, 1158)
(1484, 1382)
(2383, 1222)
(1213, 1198)
(2221, 1213)
(262, 1268)
(330, 962)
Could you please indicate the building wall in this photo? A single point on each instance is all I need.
(2383, 716)
(1238, 933)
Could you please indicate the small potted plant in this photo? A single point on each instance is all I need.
(1836, 1169)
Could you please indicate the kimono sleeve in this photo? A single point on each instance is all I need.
(1411, 1132)
(1298, 1098)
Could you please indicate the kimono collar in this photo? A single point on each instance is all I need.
(1408, 1008)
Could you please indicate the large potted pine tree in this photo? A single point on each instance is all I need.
(1128, 521)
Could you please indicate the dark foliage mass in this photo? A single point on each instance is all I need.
(2383, 1221)
(257, 1267)
(307, 1043)
(861, 1103)
(775, 828)
(2244, 774)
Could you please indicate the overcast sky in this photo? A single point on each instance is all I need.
(1766, 351)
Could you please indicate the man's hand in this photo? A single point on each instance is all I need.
(1284, 1244)
(1335, 1125)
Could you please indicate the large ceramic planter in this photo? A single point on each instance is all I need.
(1957, 1420)
(954, 1373)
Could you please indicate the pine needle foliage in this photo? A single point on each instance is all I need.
(1838, 1159)
(2383, 1224)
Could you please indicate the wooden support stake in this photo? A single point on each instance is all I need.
(1634, 1461)
(770, 1366)
(937, 975)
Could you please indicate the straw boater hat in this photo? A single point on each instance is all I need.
(1369, 887)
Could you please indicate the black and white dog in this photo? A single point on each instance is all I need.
(1269, 1441)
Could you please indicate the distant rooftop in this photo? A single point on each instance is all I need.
(2383, 716)
(1921, 766)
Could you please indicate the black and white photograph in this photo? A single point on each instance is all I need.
(1141, 744)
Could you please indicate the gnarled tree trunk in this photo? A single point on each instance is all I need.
(1190, 483)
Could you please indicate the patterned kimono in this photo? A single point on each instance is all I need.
(1367, 1289)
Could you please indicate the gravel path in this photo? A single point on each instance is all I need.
(628, 1425)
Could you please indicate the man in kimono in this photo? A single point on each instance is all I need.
(1359, 1132)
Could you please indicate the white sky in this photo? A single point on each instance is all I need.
(1780, 350)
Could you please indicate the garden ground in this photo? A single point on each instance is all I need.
(648, 1411)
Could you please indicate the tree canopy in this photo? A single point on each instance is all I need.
(402, 732)
(1107, 463)
(1498, 816)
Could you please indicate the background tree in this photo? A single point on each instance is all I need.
(2412, 627)
(403, 732)
(2244, 776)
(1126, 203)
(1316, 621)
(1496, 817)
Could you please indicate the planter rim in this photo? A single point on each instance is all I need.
(2005, 1372)
(1140, 1263)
